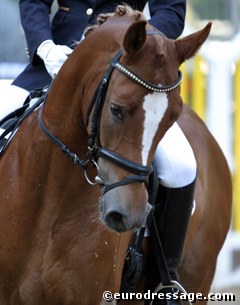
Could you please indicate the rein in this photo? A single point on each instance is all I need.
(141, 172)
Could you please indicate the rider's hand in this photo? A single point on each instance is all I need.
(53, 55)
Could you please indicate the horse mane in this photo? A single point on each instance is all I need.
(121, 10)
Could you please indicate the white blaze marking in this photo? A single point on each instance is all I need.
(154, 106)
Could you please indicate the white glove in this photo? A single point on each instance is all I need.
(53, 56)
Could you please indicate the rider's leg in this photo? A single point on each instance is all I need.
(176, 170)
(176, 164)
(11, 98)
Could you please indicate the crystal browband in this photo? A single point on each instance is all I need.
(152, 87)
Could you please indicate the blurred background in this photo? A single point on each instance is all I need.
(211, 86)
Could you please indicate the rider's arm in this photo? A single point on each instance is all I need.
(36, 23)
(168, 16)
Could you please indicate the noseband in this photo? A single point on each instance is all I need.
(95, 150)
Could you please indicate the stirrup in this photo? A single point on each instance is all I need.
(174, 285)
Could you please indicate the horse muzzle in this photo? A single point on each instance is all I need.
(121, 218)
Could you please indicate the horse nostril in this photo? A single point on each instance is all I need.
(115, 221)
(117, 217)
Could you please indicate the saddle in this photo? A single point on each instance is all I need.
(10, 123)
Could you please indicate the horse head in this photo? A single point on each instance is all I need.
(141, 102)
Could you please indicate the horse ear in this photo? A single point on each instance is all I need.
(189, 45)
(135, 37)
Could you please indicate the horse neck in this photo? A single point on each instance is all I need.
(63, 115)
(62, 112)
(72, 91)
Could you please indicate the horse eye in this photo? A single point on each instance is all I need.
(117, 111)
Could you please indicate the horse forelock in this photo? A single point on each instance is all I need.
(121, 11)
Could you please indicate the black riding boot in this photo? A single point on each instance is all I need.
(171, 213)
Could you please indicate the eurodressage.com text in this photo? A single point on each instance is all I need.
(191, 297)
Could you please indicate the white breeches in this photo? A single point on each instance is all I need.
(11, 98)
(175, 161)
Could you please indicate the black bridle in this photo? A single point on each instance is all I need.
(95, 150)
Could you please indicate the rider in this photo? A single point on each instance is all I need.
(49, 45)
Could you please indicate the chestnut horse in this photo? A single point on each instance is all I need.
(56, 247)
